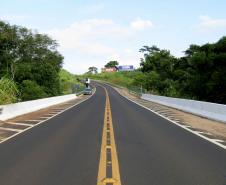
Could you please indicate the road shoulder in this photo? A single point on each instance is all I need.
(12, 127)
(211, 129)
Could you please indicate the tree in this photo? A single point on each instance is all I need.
(158, 65)
(149, 50)
(206, 66)
(28, 55)
(200, 74)
(92, 70)
(8, 49)
(111, 64)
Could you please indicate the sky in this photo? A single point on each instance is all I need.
(93, 32)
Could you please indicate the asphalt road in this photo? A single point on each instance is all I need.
(65, 150)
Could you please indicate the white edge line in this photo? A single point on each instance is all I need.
(194, 132)
(4, 140)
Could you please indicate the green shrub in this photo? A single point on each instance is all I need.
(69, 83)
(8, 91)
(30, 90)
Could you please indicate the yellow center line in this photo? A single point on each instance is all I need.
(108, 172)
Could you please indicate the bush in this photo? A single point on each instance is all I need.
(30, 90)
(69, 83)
(8, 91)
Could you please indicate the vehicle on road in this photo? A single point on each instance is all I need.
(87, 91)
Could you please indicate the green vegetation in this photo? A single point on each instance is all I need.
(125, 79)
(111, 64)
(30, 90)
(30, 60)
(92, 70)
(200, 74)
(8, 91)
(70, 83)
(30, 66)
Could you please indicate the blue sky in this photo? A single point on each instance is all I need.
(90, 33)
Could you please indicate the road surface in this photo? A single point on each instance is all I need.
(136, 147)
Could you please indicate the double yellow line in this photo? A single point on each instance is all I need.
(108, 172)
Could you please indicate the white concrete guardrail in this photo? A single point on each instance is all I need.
(16, 109)
(208, 110)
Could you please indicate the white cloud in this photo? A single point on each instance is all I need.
(93, 42)
(209, 24)
(140, 24)
(89, 36)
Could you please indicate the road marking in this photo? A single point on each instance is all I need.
(14, 135)
(50, 114)
(187, 126)
(188, 129)
(218, 140)
(23, 124)
(33, 120)
(108, 172)
(54, 112)
(200, 132)
(10, 129)
(207, 133)
(58, 109)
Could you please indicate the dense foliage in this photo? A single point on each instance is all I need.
(92, 70)
(200, 74)
(111, 64)
(69, 83)
(30, 60)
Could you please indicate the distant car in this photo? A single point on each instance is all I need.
(87, 91)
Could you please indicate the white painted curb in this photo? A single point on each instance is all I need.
(208, 110)
(16, 109)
